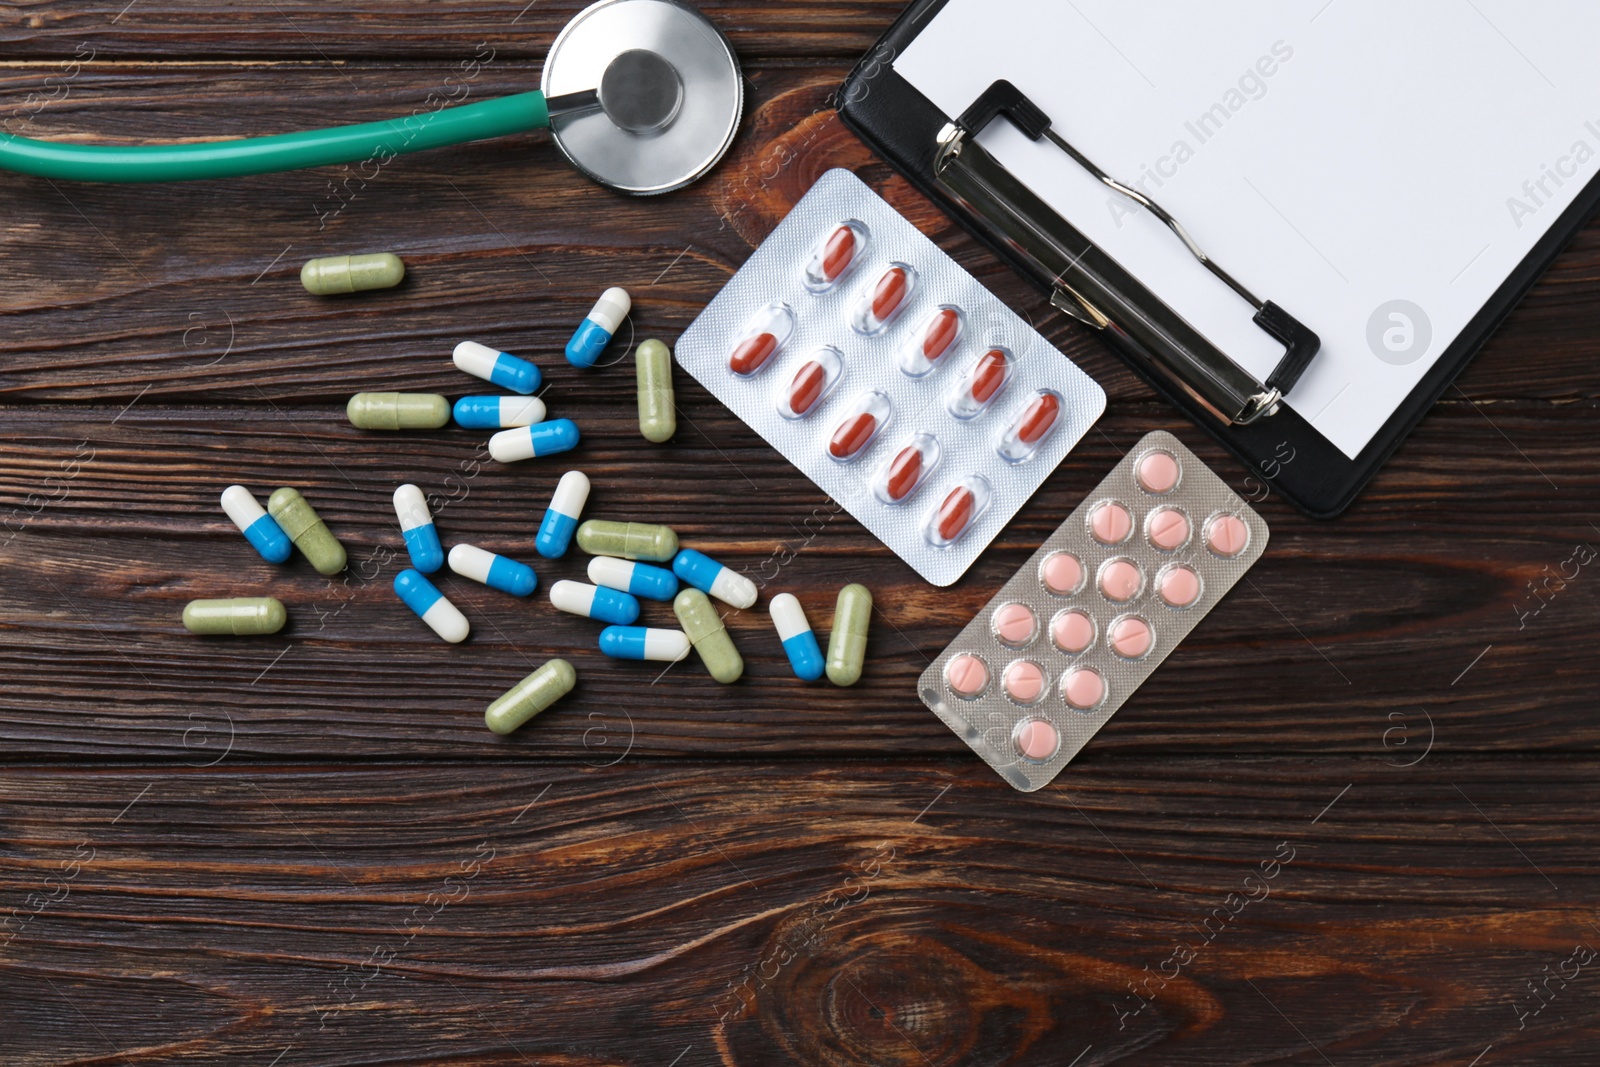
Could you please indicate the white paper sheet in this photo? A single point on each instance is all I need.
(1376, 168)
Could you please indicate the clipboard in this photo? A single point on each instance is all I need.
(953, 153)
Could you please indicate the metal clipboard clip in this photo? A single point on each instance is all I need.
(1089, 285)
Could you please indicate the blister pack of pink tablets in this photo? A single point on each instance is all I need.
(899, 384)
(1107, 598)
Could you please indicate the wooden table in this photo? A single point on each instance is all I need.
(306, 849)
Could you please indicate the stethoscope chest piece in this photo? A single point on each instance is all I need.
(668, 90)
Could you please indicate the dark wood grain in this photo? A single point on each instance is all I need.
(306, 849)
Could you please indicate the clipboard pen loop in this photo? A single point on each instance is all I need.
(1104, 296)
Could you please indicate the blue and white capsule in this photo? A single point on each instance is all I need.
(259, 528)
(641, 643)
(496, 572)
(416, 526)
(561, 517)
(498, 412)
(431, 607)
(799, 641)
(640, 579)
(596, 331)
(711, 577)
(527, 442)
(594, 602)
(501, 368)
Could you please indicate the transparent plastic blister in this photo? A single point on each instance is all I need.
(900, 385)
(1096, 609)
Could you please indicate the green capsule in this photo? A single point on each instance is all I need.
(847, 645)
(702, 622)
(629, 540)
(239, 617)
(398, 411)
(658, 412)
(530, 696)
(307, 530)
(337, 275)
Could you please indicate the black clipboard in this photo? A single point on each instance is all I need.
(915, 137)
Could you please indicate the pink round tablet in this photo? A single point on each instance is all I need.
(1083, 688)
(1036, 740)
(1227, 535)
(1062, 573)
(1168, 528)
(1015, 625)
(1120, 580)
(1157, 473)
(1130, 637)
(1072, 632)
(1110, 523)
(1024, 682)
(967, 676)
(1179, 586)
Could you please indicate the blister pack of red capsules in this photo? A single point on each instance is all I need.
(900, 385)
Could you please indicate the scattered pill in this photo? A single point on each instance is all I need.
(1110, 523)
(1120, 580)
(798, 639)
(628, 540)
(1061, 573)
(416, 526)
(540, 439)
(639, 579)
(903, 475)
(1072, 631)
(397, 411)
(1023, 682)
(1178, 585)
(1130, 637)
(812, 383)
(498, 412)
(985, 381)
(259, 528)
(595, 602)
(1168, 529)
(764, 337)
(1082, 688)
(930, 343)
(598, 327)
(1157, 473)
(240, 617)
(535, 693)
(422, 597)
(883, 301)
(860, 427)
(959, 512)
(307, 530)
(847, 644)
(561, 517)
(967, 676)
(501, 368)
(658, 410)
(337, 275)
(1015, 625)
(1227, 536)
(494, 571)
(1032, 428)
(709, 576)
(1036, 740)
(641, 643)
(835, 256)
(703, 623)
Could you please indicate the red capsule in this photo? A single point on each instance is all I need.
(750, 356)
(838, 254)
(942, 331)
(905, 472)
(806, 388)
(852, 435)
(989, 375)
(890, 294)
(955, 514)
(1039, 419)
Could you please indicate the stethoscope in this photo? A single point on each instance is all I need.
(643, 96)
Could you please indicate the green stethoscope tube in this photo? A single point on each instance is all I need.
(289, 151)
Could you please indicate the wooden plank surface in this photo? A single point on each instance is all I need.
(307, 846)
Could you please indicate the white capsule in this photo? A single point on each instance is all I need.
(411, 507)
(446, 620)
(240, 505)
(788, 617)
(666, 646)
(612, 307)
